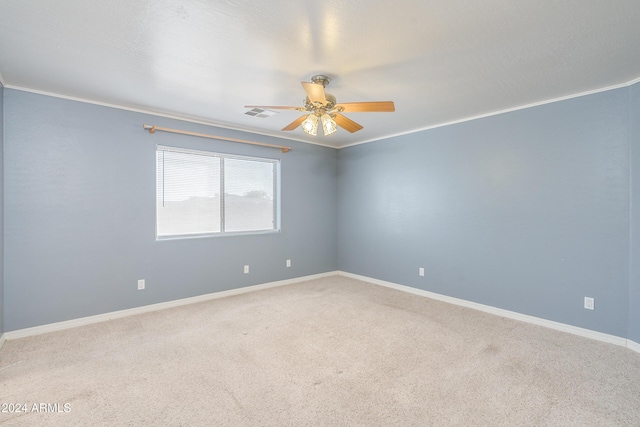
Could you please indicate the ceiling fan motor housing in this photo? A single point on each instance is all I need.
(310, 106)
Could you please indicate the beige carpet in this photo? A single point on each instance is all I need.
(333, 351)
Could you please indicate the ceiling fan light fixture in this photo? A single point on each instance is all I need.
(329, 126)
(310, 125)
(320, 106)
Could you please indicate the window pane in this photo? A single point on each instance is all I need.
(249, 195)
(188, 193)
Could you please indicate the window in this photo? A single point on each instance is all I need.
(204, 193)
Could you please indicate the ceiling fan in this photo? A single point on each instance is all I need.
(321, 107)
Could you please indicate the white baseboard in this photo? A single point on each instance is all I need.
(74, 323)
(587, 333)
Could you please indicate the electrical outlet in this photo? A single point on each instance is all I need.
(589, 303)
(421, 271)
(246, 269)
(140, 284)
(288, 263)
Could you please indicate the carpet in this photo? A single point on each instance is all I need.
(332, 351)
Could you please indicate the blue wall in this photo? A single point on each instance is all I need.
(80, 214)
(527, 211)
(634, 282)
(1, 209)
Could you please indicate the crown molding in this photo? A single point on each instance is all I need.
(280, 136)
(498, 112)
(634, 81)
(159, 114)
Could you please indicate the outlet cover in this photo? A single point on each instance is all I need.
(246, 269)
(589, 303)
(288, 263)
(140, 284)
(421, 271)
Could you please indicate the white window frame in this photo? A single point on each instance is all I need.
(222, 156)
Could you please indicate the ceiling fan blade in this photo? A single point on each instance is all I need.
(294, 124)
(346, 123)
(274, 107)
(362, 107)
(315, 92)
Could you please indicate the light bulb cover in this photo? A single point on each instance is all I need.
(329, 126)
(310, 125)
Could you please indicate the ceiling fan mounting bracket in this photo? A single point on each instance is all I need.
(320, 79)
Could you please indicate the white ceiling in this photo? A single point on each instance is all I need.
(440, 61)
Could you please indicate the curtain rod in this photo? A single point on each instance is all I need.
(152, 129)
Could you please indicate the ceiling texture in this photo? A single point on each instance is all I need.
(440, 61)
